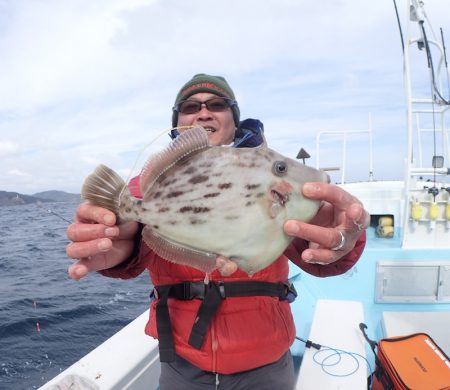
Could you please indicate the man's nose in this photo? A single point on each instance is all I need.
(204, 113)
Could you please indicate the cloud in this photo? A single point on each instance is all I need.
(7, 148)
(55, 51)
(93, 82)
(18, 173)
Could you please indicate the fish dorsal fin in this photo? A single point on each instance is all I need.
(188, 142)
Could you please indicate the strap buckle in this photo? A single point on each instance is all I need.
(193, 290)
(290, 291)
(221, 286)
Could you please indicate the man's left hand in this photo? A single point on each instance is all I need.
(336, 227)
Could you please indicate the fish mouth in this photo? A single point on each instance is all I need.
(280, 192)
(279, 198)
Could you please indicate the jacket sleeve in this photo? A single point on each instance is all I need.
(294, 251)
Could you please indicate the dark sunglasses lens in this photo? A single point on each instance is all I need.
(190, 107)
(213, 105)
(217, 105)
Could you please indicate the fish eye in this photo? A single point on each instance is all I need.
(279, 168)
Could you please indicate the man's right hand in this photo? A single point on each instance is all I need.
(97, 242)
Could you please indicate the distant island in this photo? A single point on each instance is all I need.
(15, 198)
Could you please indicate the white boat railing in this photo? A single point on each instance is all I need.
(344, 135)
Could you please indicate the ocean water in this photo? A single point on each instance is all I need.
(47, 320)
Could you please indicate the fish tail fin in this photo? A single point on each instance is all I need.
(105, 188)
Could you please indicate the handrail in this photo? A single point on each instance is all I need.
(345, 134)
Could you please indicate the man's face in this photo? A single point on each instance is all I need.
(220, 125)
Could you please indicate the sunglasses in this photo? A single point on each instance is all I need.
(215, 104)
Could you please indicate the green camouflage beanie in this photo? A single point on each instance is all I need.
(205, 83)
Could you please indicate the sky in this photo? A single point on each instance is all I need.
(85, 82)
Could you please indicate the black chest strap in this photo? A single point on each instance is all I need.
(211, 295)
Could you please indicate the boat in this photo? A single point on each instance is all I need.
(401, 284)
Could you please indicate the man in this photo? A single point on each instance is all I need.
(234, 332)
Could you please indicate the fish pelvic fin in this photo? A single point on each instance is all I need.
(105, 188)
(187, 143)
(179, 253)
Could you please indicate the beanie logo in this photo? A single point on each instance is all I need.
(205, 85)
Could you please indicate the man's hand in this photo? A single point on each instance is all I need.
(333, 232)
(97, 242)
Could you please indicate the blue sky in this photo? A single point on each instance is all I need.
(87, 82)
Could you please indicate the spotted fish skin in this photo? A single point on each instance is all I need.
(216, 200)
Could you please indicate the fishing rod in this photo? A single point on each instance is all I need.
(419, 16)
(41, 205)
(437, 93)
(445, 59)
(399, 26)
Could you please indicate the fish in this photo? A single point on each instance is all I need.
(201, 201)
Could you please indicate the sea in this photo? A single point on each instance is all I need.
(47, 320)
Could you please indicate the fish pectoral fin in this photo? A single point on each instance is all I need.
(179, 253)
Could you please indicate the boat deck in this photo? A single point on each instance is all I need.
(321, 311)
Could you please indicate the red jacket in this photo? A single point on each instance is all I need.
(246, 332)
